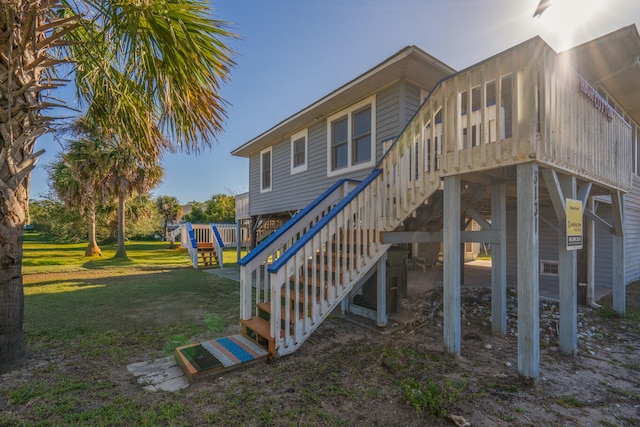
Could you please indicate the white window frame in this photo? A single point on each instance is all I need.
(295, 137)
(262, 189)
(348, 112)
(542, 264)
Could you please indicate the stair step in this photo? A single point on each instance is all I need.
(258, 325)
(266, 307)
(262, 331)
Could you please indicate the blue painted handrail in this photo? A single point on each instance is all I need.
(217, 234)
(192, 236)
(273, 268)
(293, 221)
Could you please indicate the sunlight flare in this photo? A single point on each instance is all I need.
(566, 18)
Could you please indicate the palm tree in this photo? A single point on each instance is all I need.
(131, 172)
(77, 177)
(170, 210)
(145, 69)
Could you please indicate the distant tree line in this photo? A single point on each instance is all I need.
(219, 208)
(55, 221)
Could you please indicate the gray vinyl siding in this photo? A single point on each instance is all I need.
(632, 231)
(413, 101)
(604, 248)
(547, 245)
(293, 192)
(548, 241)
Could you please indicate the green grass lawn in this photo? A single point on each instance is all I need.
(87, 318)
(46, 257)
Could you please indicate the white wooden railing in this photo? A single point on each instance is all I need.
(548, 114)
(499, 113)
(193, 234)
(253, 267)
(229, 234)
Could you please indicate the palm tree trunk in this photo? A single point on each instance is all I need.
(121, 251)
(12, 218)
(92, 248)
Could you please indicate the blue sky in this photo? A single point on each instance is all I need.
(293, 52)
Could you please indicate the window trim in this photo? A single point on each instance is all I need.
(349, 112)
(262, 189)
(295, 137)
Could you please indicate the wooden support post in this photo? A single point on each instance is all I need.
(619, 282)
(452, 263)
(499, 260)
(528, 273)
(591, 256)
(381, 318)
(246, 287)
(238, 241)
(568, 280)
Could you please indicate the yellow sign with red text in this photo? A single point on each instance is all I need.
(574, 224)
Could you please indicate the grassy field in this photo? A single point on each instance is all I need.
(48, 257)
(86, 320)
(91, 317)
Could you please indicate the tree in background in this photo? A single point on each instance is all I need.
(53, 219)
(77, 176)
(219, 208)
(131, 172)
(141, 68)
(196, 214)
(170, 210)
(143, 209)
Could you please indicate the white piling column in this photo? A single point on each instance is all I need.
(619, 282)
(591, 256)
(568, 280)
(381, 316)
(528, 273)
(452, 263)
(499, 261)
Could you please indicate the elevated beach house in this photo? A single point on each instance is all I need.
(532, 152)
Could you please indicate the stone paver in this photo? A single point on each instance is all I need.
(160, 374)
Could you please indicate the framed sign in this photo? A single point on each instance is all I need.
(574, 224)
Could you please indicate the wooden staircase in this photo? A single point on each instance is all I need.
(308, 277)
(208, 255)
(204, 244)
(301, 295)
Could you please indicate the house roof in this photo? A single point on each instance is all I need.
(613, 62)
(410, 63)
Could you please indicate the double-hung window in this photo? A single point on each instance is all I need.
(299, 148)
(265, 170)
(351, 138)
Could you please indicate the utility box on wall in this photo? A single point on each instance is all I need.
(396, 283)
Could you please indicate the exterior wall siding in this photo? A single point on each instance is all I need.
(413, 101)
(604, 246)
(293, 192)
(632, 231)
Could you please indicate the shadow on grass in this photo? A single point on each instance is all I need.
(126, 301)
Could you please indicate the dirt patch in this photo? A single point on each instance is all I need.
(348, 374)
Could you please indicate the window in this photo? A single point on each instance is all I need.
(299, 152)
(265, 170)
(351, 138)
(549, 268)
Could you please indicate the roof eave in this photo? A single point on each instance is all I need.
(254, 144)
